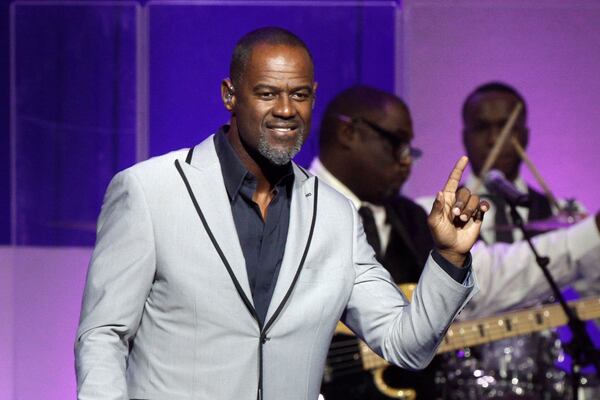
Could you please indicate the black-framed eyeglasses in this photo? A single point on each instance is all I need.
(402, 148)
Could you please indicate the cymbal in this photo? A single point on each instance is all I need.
(562, 220)
(549, 224)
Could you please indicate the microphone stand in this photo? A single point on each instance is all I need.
(581, 347)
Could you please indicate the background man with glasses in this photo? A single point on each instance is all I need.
(365, 153)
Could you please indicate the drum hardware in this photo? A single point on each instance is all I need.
(465, 334)
(581, 347)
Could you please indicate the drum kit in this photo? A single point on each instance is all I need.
(525, 368)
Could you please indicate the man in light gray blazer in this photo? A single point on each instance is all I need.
(220, 272)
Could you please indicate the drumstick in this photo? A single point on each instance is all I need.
(535, 172)
(495, 152)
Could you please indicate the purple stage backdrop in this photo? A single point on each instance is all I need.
(39, 320)
(548, 50)
(119, 82)
(97, 85)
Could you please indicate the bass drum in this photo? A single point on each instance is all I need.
(517, 368)
(589, 388)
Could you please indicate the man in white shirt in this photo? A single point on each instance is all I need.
(485, 111)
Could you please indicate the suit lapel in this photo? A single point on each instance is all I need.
(298, 238)
(206, 181)
(206, 186)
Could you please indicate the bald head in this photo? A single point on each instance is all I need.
(270, 36)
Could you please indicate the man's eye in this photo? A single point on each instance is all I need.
(481, 128)
(300, 96)
(266, 95)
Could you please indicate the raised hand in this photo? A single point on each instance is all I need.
(455, 218)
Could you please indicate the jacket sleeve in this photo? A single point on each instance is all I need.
(405, 334)
(119, 279)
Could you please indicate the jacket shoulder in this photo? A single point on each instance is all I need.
(150, 170)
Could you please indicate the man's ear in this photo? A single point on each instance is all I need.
(314, 96)
(347, 136)
(227, 94)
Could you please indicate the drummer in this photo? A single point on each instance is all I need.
(485, 112)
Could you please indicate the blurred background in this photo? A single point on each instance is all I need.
(88, 88)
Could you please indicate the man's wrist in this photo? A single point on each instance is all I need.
(457, 259)
(458, 273)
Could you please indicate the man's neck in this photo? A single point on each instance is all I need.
(322, 171)
(379, 212)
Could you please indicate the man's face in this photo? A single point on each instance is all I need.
(485, 116)
(272, 107)
(381, 169)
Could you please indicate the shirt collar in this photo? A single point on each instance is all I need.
(235, 172)
(317, 168)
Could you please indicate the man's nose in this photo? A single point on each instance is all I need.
(404, 156)
(493, 134)
(405, 161)
(284, 107)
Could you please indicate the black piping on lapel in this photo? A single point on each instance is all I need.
(188, 158)
(304, 172)
(236, 283)
(241, 293)
(309, 240)
(263, 329)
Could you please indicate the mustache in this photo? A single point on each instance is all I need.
(284, 123)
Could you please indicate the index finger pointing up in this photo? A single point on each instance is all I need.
(456, 174)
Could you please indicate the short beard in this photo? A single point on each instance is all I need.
(279, 157)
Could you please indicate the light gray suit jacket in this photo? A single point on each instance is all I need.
(167, 311)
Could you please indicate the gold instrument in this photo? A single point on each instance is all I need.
(479, 331)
